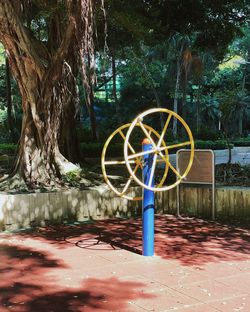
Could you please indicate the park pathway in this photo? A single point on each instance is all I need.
(199, 266)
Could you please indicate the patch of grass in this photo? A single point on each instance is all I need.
(72, 178)
(7, 148)
(214, 145)
(242, 142)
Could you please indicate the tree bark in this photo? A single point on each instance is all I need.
(40, 161)
(176, 96)
(116, 101)
(47, 85)
(184, 105)
(92, 117)
(177, 88)
(106, 90)
(240, 122)
(9, 100)
(198, 110)
(88, 81)
(240, 115)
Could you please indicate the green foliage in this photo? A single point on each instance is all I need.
(146, 58)
(214, 145)
(9, 149)
(206, 133)
(5, 134)
(2, 55)
(84, 134)
(214, 22)
(91, 149)
(3, 115)
(95, 149)
(72, 178)
(242, 142)
(138, 36)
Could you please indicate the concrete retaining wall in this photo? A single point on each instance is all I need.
(230, 202)
(25, 210)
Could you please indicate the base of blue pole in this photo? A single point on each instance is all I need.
(148, 223)
(148, 206)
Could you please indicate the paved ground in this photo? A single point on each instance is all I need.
(199, 266)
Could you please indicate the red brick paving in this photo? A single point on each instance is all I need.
(199, 266)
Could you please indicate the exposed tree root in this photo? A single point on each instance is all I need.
(233, 174)
(65, 166)
(13, 184)
(80, 179)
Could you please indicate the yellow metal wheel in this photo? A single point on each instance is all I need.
(158, 148)
(136, 162)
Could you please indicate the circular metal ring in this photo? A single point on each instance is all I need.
(158, 148)
(124, 193)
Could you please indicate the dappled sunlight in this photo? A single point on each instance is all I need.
(23, 273)
(188, 240)
(43, 208)
(195, 241)
(26, 258)
(29, 282)
(191, 241)
(95, 294)
(87, 267)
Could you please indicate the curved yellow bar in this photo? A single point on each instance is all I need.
(137, 160)
(158, 149)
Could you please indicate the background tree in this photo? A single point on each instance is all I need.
(48, 43)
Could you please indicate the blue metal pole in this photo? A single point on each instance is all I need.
(148, 204)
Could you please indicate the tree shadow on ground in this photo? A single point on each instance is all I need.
(197, 242)
(25, 286)
(95, 294)
(21, 269)
(189, 240)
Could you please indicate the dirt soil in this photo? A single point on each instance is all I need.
(232, 174)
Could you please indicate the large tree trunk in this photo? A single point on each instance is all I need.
(46, 78)
(89, 99)
(86, 47)
(89, 85)
(40, 161)
(68, 139)
(9, 100)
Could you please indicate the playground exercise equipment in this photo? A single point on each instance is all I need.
(152, 159)
(137, 161)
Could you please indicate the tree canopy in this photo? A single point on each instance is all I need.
(85, 64)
